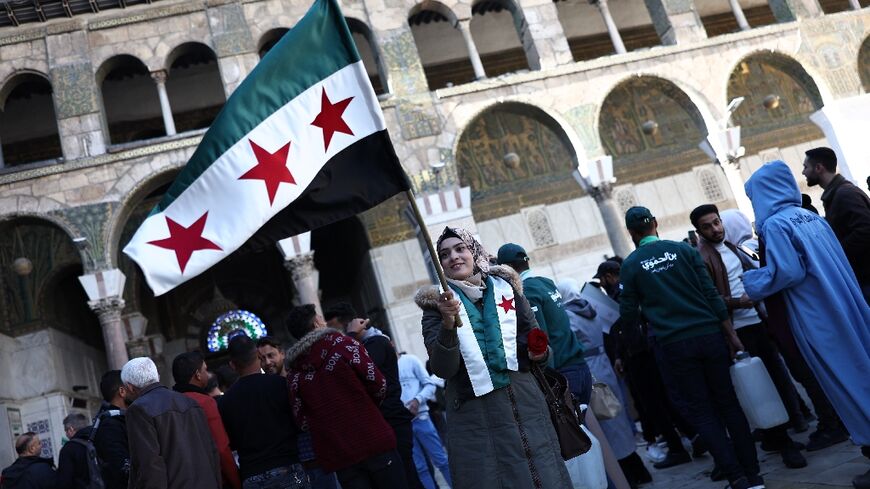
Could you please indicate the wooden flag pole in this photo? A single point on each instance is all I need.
(433, 253)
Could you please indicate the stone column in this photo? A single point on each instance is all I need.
(234, 45)
(676, 21)
(736, 184)
(738, 14)
(542, 36)
(612, 30)
(791, 10)
(613, 222)
(108, 311)
(855, 4)
(305, 279)
(465, 29)
(159, 78)
(79, 119)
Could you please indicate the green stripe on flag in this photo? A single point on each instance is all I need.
(319, 45)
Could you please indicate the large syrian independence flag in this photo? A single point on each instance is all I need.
(301, 143)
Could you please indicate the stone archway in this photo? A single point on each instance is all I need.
(28, 123)
(501, 35)
(651, 128)
(779, 97)
(194, 85)
(345, 270)
(440, 45)
(39, 289)
(514, 155)
(130, 102)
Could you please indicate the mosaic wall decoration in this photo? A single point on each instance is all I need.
(674, 127)
(43, 429)
(515, 156)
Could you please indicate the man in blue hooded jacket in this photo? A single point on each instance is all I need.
(827, 312)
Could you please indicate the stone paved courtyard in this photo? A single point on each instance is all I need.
(833, 467)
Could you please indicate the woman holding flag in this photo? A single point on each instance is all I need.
(499, 429)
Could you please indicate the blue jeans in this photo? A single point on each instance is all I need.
(428, 443)
(320, 479)
(698, 370)
(579, 381)
(291, 477)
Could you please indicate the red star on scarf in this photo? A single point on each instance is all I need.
(507, 304)
(330, 118)
(271, 169)
(185, 240)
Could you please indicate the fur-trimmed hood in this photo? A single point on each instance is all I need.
(427, 297)
(303, 346)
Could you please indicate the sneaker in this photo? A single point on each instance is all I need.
(862, 481)
(741, 483)
(656, 453)
(673, 459)
(792, 457)
(756, 482)
(824, 438)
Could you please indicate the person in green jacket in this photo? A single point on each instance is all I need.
(569, 357)
(693, 333)
(546, 302)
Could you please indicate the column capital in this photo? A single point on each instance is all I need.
(301, 266)
(602, 192)
(159, 76)
(107, 306)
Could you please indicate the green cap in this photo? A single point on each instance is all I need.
(637, 216)
(511, 253)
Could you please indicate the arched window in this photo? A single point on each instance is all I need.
(440, 45)
(28, 126)
(540, 228)
(515, 156)
(130, 101)
(583, 24)
(779, 98)
(371, 59)
(269, 40)
(499, 30)
(834, 6)
(625, 199)
(196, 91)
(718, 18)
(651, 128)
(710, 185)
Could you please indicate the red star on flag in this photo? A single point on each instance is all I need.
(507, 304)
(271, 169)
(330, 118)
(185, 240)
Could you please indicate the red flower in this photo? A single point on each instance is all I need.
(538, 341)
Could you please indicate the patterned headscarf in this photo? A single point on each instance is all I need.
(481, 256)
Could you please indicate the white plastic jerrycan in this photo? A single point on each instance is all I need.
(757, 395)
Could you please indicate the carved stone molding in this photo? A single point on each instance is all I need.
(301, 267)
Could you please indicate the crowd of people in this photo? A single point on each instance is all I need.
(340, 407)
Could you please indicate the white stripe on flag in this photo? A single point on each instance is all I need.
(238, 208)
(507, 320)
(472, 355)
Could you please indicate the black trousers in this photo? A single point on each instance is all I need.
(697, 369)
(384, 471)
(657, 415)
(405, 448)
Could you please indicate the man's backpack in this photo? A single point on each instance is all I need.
(95, 474)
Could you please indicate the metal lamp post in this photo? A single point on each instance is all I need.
(597, 180)
(723, 147)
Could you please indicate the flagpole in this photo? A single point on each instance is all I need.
(436, 262)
